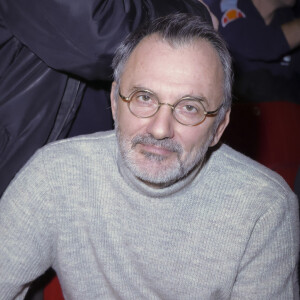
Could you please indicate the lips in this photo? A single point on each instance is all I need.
(159, 147)
(157, 150)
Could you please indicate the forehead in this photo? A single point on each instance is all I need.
(190, 69)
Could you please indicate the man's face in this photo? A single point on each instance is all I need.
(159, 150)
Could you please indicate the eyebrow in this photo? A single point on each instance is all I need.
(199, 97)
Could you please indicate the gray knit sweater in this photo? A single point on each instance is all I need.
(229, 231)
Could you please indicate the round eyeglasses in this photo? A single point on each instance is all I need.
(187, 111)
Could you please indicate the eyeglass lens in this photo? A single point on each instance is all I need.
(187, 111)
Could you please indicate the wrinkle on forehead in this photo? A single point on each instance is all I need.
(188, 69)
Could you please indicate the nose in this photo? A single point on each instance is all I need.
(161, 124)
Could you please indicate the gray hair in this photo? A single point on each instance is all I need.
(178, 30)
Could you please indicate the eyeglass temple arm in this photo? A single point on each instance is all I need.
(213, 112)
(126, 99)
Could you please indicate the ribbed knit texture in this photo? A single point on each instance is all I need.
(229, 231)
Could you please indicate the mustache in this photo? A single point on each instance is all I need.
(150, 140)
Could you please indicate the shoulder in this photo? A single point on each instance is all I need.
(244, 168)
(248, 179)
(77, 153)
(90, 144)
(69, 162)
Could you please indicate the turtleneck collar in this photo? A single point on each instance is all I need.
(146, 190)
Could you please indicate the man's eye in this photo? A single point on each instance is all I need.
(190, 108)
(144, 98)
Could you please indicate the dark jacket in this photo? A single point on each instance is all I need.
(42, 42)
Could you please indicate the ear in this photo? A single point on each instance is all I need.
(221, 128)
(113, 100)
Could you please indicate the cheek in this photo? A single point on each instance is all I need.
(193, 138)
(129, 124)
(123, 116)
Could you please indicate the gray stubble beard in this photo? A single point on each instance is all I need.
(167, 175)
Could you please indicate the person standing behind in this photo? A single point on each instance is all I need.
(264, 39)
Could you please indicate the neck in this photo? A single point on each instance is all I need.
(154, 190)
(266, 9)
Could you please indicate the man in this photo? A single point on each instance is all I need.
(145, 213)
(264, 40)
(48, 50)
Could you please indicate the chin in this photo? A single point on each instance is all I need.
(156, 173)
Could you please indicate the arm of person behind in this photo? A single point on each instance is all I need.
(80, 36)
(214, 19)
(291, 31)
(268, 269)
(26, 226)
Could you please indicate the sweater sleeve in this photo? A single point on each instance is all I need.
(25, 231)
(268, 269)
(80, 36)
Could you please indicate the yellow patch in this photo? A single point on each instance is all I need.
(231, 15)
